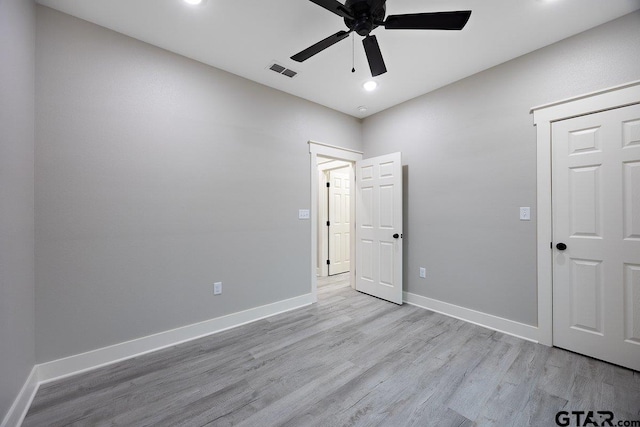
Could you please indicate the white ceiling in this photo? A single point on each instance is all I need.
(245, 36)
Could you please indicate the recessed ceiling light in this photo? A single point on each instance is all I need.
(193, 2)
(362, 108)
(370, 85)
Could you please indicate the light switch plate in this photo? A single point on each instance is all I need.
(217, 288)
(525, 214)
(303, 214)
(423, 272)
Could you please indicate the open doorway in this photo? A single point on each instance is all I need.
(333, 158)
(334, 216)
(375, 233)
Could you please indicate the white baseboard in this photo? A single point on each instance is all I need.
(78, 363)
(479, 318)
(21, 405)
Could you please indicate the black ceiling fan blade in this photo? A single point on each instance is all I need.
(428, 21)
(376, 4)
(335, 7)
(320, 46)
(374, 56)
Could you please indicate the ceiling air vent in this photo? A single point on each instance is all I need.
(289, 73)
(282, 70)
(277, 68)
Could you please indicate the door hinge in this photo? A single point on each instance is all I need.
(328, 184)
(328, 262)
(328, 223)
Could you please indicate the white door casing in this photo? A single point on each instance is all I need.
(339, 221)
(378, 219)
(596, 213)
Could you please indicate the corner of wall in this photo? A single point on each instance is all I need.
(17, 121)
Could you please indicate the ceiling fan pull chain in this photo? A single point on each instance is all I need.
(353, 53)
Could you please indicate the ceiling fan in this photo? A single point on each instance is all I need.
(363, 16)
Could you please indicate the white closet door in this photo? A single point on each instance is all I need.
(339, 221)
(596, 214)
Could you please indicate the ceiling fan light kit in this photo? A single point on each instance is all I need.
(363, 16)
(370, 85)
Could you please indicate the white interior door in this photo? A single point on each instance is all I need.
(379, 227)
(596, 214)
(339, 221)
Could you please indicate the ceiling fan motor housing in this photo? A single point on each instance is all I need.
(365, 13)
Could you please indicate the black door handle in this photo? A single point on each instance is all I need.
(561, 246)
(395, 236)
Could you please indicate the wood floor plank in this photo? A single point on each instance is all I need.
(512, 394)
(349, 360)
(481, 382)
(540, 410)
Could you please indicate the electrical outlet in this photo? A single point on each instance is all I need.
(423, 272)
(217, 288)
(525, 214)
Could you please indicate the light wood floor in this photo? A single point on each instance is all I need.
(350, 360)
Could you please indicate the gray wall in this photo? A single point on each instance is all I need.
(470, 155)
(155, 177)
(17, 51)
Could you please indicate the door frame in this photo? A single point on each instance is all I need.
(337, 153)
(543, 116)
